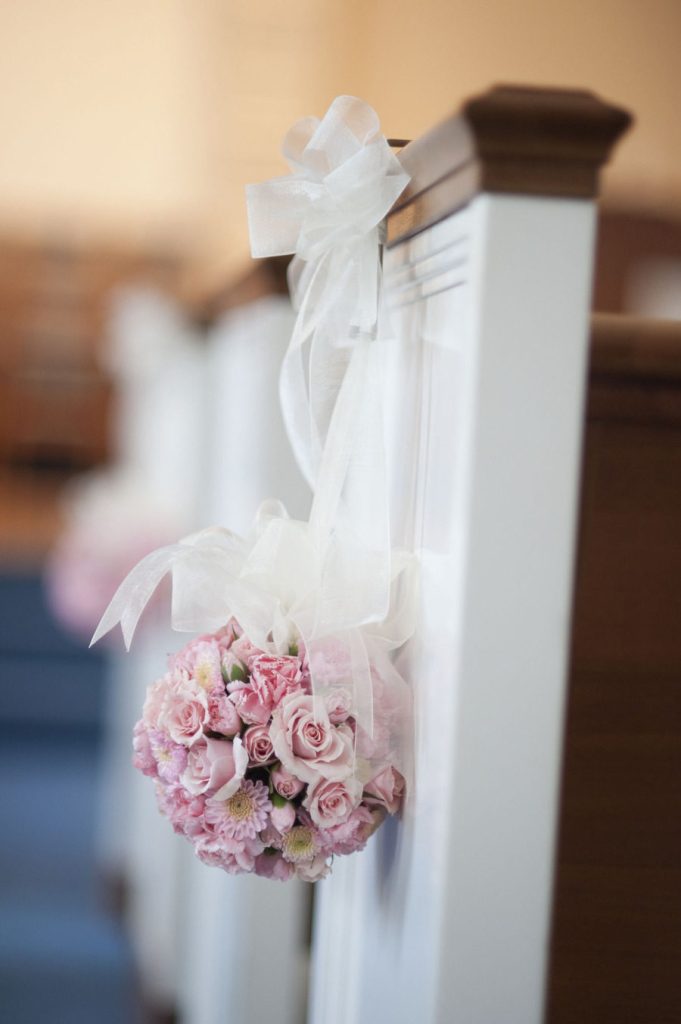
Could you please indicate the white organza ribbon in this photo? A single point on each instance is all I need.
(333, 581)
(273, 583)
(328, 213)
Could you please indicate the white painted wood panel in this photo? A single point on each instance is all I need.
(445, 916)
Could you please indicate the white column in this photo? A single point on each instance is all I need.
(445, 917)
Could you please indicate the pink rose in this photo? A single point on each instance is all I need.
(273, 865)
(306, 742)
(184, 714)
(213, 764)
(331, 802)
(258, 744)
(244, 650)
(286, 785)
(386, 789)
(283, 817)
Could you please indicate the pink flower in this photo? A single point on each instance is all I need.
(353, 833)
(331, 802)
(258, 744)
(300, 844)
(386, 789)
(273, 865)
(376, 747)
(143, 758)
(271, 678)
(338, 706)
(242, 815)
(283, 817)
(215, 765)
(286, 785)
(233, 855)
(153, 703)
(313, 870)
(184, 810)
(185, 713)
(223, 717)
(226, 636)
(207, 672)
(306, 742)
(171, 758)
(244, 650)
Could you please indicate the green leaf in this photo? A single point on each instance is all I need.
(238, 672)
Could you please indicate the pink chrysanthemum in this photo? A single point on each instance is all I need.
(171, 758)
(242, 815)
(299, 844)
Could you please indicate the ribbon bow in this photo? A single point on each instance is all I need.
(327, 212)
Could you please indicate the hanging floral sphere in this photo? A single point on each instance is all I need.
(260, 775)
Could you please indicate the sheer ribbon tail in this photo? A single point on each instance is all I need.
(135, 592)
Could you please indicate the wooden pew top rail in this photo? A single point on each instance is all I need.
(511, 139)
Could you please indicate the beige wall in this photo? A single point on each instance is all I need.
(144, 118)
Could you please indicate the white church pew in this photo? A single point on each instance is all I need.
(159, 437)
(445, 916)
(245, 948)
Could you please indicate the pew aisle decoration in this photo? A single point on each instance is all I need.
(280, 737)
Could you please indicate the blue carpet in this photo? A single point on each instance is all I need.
(62, 958)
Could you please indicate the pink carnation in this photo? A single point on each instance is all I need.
(143, 758)
(271, 678)
(353, 833)
(233, 855)
(153, 703)
(184, 810)
(223, 717)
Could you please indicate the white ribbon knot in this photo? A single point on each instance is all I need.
(345, 180)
